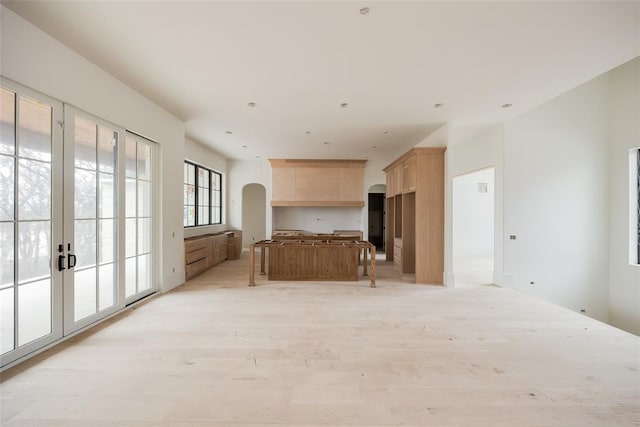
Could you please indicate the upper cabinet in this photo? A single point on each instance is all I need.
(317, 182)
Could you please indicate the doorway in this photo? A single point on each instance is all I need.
(376, 199)
(254, 214)
(473, 227)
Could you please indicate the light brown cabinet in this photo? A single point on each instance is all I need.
(415, 213)
(317, 182)
(208, 250)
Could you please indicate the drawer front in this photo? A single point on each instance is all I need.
(196, 255)
(196, 267)
(195, 245)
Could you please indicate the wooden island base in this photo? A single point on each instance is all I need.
(317, 260)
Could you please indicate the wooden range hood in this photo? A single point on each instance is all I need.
(312, 182)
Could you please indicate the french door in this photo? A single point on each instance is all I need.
(30, 207)
(93, 163)
(71, 186)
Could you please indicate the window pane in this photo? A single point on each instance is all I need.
(85, 147)
(107, 207)
(130, 158)
(203, 215)
(191, 174)
(85, 194)
(144, 161)
(107, 144)
(85, 295)
(7, 121)
(144, 272)
(85, 236)
(130, 239)
(144, 198)
(6, 320)
(34, 311)
(190, 194)
(34, 250)
(144, 235)
(130, 203)
(191, 215)
(35, 130)
(107, 243)
(6, 254)
(106, 286)
(34, 190)
(7, 174)
(130, 277)
(203, 196)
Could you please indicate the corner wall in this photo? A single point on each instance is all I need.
(624, 279)
(556, 185)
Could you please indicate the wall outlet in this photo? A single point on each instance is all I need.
(173, 270)
(512, 237)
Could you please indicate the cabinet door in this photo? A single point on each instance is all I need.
(390, 188)
(397, 179)
(284, 184)
(409, 175)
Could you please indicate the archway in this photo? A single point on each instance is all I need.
(254, 214)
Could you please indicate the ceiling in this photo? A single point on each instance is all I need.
(298, 61)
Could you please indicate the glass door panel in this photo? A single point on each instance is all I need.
(30, 202)
(91, 232)
(139, 218)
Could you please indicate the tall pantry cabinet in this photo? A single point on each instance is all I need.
(415, 214)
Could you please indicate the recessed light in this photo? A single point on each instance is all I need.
(386, 132)
(438, 105)
(308, 132)
(252, 104)
(506, 106)
(257, 157)
(326, 143)
(244, 146)
(228, 132)
(344, 105)
(374, 147)
(364, 11)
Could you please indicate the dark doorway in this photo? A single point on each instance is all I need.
(376, 220)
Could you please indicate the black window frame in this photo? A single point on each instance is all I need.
(212, 175)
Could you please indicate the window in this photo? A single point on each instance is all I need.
(202, 196)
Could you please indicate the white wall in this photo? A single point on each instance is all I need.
(477, 151)
(204, 156)
(624, 279)
(556, 200)
(473, 219)
(34, 59)
(318, 219)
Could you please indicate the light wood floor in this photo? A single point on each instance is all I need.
(215, 352)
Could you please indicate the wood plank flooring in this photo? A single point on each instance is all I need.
(215, 352)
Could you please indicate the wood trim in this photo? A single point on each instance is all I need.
(318, 203)
(316, 163)
(413, 151)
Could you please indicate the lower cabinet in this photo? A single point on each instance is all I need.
(208, 250)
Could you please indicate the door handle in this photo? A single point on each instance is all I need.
(61, 262)
(69, 264)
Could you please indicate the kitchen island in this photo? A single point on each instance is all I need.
(332, 259)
